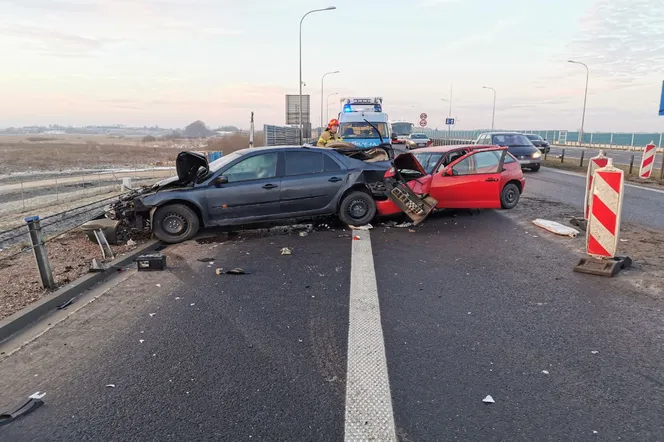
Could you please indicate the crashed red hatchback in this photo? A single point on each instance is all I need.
(458, 177)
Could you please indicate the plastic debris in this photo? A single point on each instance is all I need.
(303, 234)
(488, 400)
(545, 372)
(286, 251)
(219, 271)
(365, 227)
(97, 266)
(152, 314)
(37, 395)
(140, 341)
(623, 240)
(356, 238)
(110, 385)
(177, 298)
(131, 243)
(594, 352)
(157, 285)
(404, 225)
(556, 227)
(34, 402)
(192, 304)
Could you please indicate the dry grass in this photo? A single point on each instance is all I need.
(21, 157)
(573, 165)
(234, 142)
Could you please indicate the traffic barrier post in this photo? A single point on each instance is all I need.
(631, 164)
(647, 161)
(38, 246)
(603, 227)
(595, 163)
(582, 154)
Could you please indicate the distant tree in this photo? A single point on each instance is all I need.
(197, 129)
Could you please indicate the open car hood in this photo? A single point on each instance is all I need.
(189, 166)
(408, 161)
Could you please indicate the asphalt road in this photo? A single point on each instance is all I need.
(619, 156)
(465, 313)
(640, 205)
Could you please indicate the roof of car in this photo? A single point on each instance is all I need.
(452, 148)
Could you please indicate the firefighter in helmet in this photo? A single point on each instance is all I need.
(329, 134)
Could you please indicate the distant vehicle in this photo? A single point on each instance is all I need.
(539, 142)
(463, 177)
(401, 130)
(417, 140)
(353, 126)
(518, 145)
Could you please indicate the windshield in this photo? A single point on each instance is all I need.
(534, 137)
(428, 160)
(221, 162)
(402, 128)
(360, 129)
(511, 140)
(418, 136)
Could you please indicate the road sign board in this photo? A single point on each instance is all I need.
(423, 122)
(449, 121)
(423, 116)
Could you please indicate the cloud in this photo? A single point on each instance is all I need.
(433, 3)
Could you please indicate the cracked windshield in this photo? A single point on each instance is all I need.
(346, 221)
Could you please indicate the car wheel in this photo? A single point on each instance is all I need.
(357, 209)
(535, 168)
(509, 197)
(175, 223)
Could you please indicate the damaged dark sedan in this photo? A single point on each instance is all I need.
(267, 184)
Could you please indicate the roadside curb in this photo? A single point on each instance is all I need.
(35, 311)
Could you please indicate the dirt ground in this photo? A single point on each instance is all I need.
(70, 257)
(641, 244)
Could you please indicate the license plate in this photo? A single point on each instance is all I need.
(524, 161)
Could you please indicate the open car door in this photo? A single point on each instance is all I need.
(470, 182)
(417, 207)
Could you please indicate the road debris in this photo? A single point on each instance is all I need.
(140, 341)
(34, 402)
(545, 372)
(205, 259)
(303, 234)
(157, 285)
(110, 385)
(404, 225)
(488, 400)
(286, 251)
(556, 227)
(192, 304)
(65, 304)
(365, 227)
(236, 271)
(131, 243)
(219, 271)
(356, 238)
(152, 314)
(411, 230)
(594, 352)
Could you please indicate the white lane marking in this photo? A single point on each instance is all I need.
(564, 172)
(369, 415)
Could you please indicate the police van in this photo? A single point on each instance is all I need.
(353, 126)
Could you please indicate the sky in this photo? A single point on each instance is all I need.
(170, 62)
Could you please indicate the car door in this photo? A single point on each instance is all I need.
(471, 182)
(252, 190)
(311, 181)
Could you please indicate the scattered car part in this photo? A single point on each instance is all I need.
(97, 266)
(236, 271)
(151, 261)
(556, 227)
(286, 251)
(34, 402)
(108, 226)
(488, 400)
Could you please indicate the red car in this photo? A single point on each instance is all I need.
(460, 177)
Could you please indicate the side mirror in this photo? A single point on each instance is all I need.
(220, 180)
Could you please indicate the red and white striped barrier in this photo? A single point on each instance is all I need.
(595, 163)
(605, 211)
(648, 161)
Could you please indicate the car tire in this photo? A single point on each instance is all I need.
(175, 223)
(357, 209)
(535, 168)
(509, 197)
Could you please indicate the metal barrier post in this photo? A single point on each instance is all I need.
(631, 164)
(582, 154)
(562, 157)
(22, 196)
(37, 239)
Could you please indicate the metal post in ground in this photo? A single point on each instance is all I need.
(631, 164)
(582, 154)
(562, 157)
(37, 239)
(22, 196)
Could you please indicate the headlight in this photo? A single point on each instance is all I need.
(537, 154)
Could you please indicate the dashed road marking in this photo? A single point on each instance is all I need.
(369, 415)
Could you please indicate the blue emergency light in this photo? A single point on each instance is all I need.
(348, 108)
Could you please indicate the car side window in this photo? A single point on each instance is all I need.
(253, 168)
(330, 165)
(484, 162)
(303, 163)
(509, 159)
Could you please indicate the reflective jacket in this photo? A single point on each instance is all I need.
(327, 137)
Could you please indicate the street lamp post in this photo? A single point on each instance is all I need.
(585, 96)
(327, 109)
(493, 115)
(321, 96)
(329, 8)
